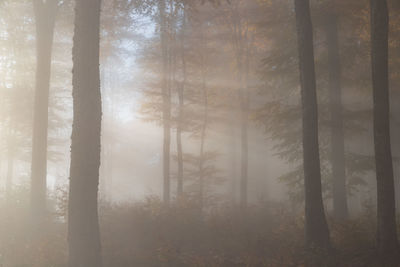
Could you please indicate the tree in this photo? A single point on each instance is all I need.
(281, 113)
(83, 224)
(205, 117)
(166, 102)
(387, 243)
(179, 105)
(240, 32)
(394, 63)
(339, 194)
(45, 15)
(181, 90)
(316, 228)
(239, 26)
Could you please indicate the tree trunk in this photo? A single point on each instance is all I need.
(244, 104)
(387, 243)
(244, 99)
(203, 133)
(181, 91)
(241, 50)
(232, 150)
(179, 143)
(45, 20)
(166, 96)
(395, 138)
(202, 159)
(316, 228)
(83, 224)
(340, 209)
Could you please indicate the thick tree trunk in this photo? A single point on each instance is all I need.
(387, 242)
(316, 228)
(395, 138)
(166, 96)
(340, 208)
(83, 224)
(45, 20)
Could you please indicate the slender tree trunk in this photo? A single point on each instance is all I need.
(233, 153)
(387, 243)
(240, 44)
(166, 96)
(172, 65)
(179, 143)
(45, 13)
(340, 209)
(83, 224)
(244, 149)
(244, 104)
(316, 228)
(181, 91)
(203, 135)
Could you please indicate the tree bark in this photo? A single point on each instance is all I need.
(179, 143)
(203, 131)
(244, 99)
(45, 13)
(233, 148)
(83, 224)
(316, 228)
(181, 91)
(387, 242)
(244, 106)
(241, 50)
(339, 192)
(166, 96)
(203, 135)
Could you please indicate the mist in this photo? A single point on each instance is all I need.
(199, 133)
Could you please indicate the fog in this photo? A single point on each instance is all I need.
(199, 133)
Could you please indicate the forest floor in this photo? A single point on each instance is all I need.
(145, 234)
